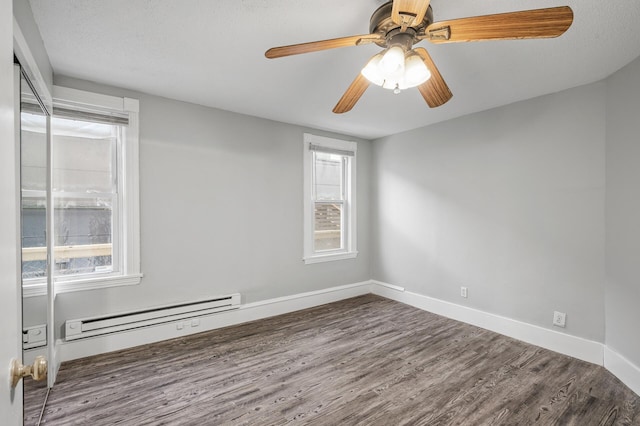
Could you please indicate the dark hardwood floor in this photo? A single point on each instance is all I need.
(361, 361)
(35, 394)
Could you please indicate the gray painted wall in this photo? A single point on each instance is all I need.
(623, 212)
(221, 210)
(508, 202)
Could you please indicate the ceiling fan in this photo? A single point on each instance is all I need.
(399, 24)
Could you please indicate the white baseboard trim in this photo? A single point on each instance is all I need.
(623, 369)
(576, 347)
(248, 312)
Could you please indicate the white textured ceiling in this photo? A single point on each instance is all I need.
(211, 52)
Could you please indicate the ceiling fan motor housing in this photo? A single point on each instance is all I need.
(403, 39)
(381, 23)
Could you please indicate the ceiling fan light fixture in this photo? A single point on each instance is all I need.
(411, 72)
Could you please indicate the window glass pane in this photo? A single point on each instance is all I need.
(33, 179)
(34, 242)
(328, 176)
(83, 155)
(83, 235)
(328, 226)
(33, 151)
(85, 189)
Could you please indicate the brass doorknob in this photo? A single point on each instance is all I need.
(38, 371)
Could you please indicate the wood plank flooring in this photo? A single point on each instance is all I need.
(361, 361)
(35, 394)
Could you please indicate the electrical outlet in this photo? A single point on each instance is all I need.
(559, 319)
(463, 291)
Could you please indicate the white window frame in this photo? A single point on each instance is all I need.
(127, 230)
(349, 226)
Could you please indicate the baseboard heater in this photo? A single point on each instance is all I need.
(107, 324)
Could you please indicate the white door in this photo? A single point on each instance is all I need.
(10, 292)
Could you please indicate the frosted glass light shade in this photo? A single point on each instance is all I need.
(372, 71)
(392, 61)
(415, 71)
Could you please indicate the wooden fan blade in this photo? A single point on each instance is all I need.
(538, 23)
(434, 91)
(352, 95)
(314, 46)
(409, 13)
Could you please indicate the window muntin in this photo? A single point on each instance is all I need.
(329, 199)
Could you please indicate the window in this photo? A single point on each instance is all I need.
(329, 194)
(94, 187)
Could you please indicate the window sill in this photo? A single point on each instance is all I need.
(71, 285)
(320, 258)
